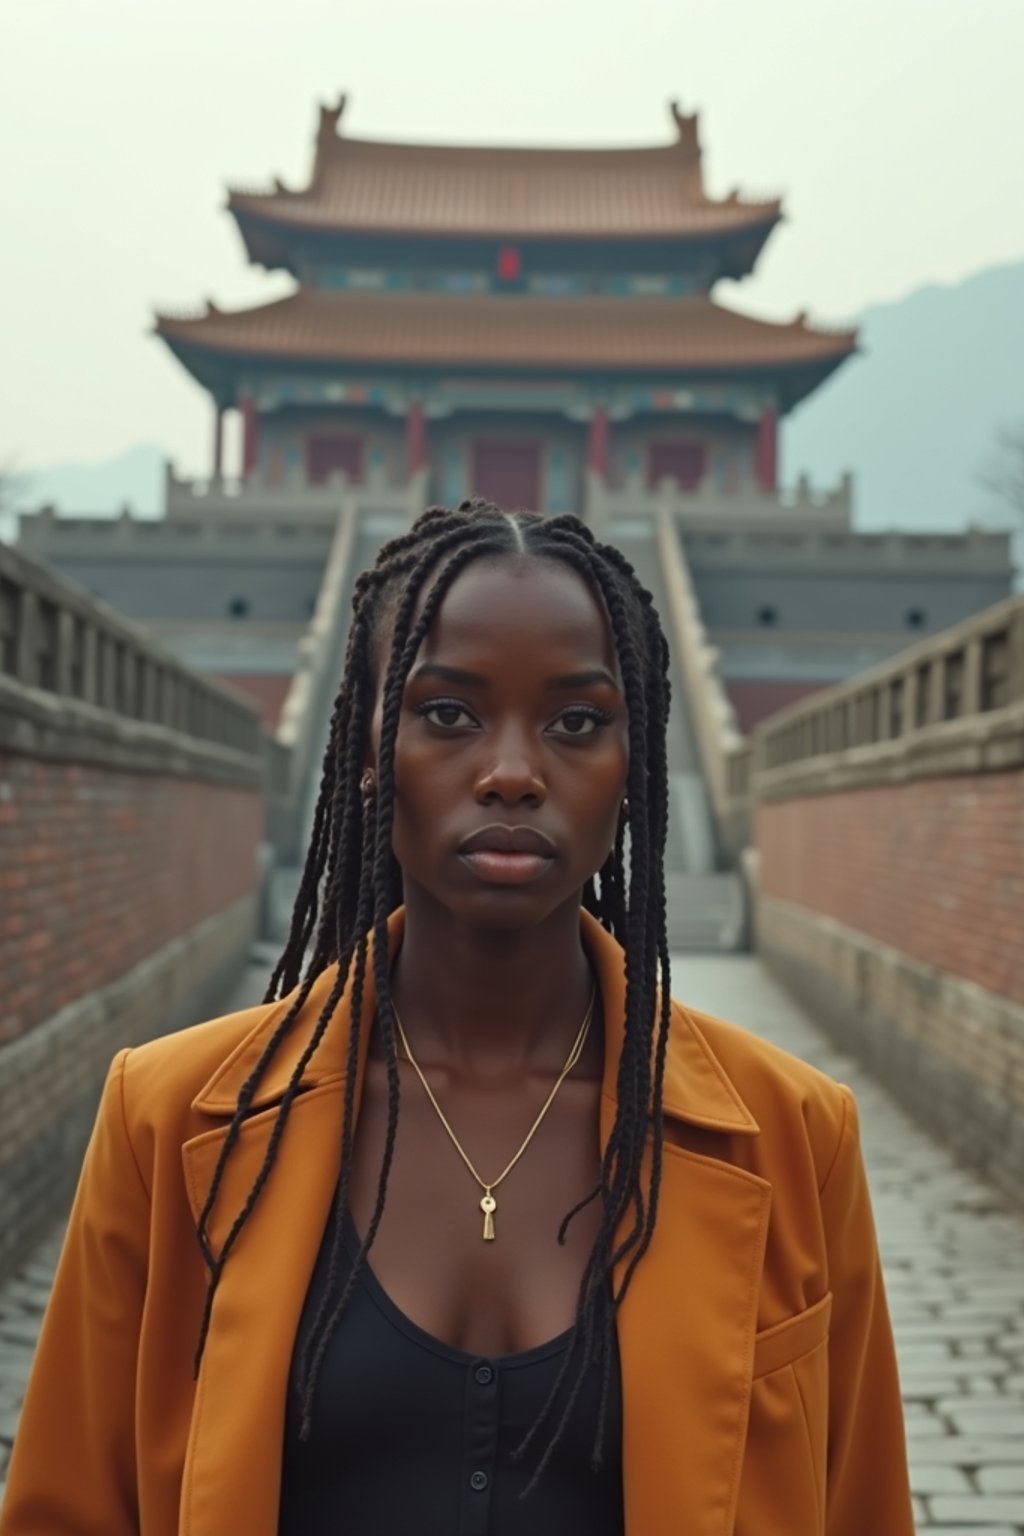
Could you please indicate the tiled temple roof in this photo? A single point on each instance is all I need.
(364, 186)
(517, 331)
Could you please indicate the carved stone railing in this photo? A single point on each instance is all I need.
(305, 715)
(307, 704)
(709, 506)
(953, 703)
(76, 676)
(708, 706)
(291, 496)
(47, 531)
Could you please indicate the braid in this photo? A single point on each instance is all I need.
(351, 882)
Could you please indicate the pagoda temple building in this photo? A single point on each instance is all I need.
(510, 320)
(536, 326)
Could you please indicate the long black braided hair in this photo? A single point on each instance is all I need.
(351, 882)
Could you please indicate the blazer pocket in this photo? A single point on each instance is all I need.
(794, 1337)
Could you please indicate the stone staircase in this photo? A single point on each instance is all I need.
(706, 906)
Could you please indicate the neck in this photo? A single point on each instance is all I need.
(489, 1001)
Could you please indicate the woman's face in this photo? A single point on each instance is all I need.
(513, 733)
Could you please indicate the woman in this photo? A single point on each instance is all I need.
(612, 1269)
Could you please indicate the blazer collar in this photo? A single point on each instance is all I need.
(697, 1088)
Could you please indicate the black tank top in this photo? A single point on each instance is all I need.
(412, 1435)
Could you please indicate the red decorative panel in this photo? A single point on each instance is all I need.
(507, 472)
(328, 451)
(510, 263)
(682, 459)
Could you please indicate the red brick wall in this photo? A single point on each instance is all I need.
(933, 868)
(99, 868)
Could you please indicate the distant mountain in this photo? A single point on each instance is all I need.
(915, 415)
(134, 479)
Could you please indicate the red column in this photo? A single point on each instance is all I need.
(415, 439)
(250, 435)
(766, 468)
(597, 452)
(218, 441)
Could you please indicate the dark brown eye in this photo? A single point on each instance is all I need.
(443, 713)
(582, 722)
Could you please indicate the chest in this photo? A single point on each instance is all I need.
(430, 1255)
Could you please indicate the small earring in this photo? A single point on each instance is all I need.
(624, 809)
(368, 784)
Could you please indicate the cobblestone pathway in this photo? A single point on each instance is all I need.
(954, 1266)
(953, 1256)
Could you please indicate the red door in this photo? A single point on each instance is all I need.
(507, 472)
(328, 451)
(683, 460)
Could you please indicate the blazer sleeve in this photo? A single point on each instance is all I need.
(72, 1469)
(867, 1479)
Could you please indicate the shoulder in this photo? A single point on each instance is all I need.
(794, 1104)
(161, 1079)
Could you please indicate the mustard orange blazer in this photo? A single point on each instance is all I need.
(759, 1380)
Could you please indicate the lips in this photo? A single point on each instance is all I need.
(499, 838)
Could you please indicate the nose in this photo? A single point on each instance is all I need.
(512, 772)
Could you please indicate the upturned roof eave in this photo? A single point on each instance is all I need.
(801, 374)
(273, 221)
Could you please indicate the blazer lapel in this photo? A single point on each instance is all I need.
(686, 1327)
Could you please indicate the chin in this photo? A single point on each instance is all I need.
(499, 908)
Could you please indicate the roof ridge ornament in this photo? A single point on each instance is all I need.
(686, 126)
(330, 117)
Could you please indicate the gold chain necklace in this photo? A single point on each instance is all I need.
(488, 1204)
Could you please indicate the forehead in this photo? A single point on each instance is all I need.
(514, 607)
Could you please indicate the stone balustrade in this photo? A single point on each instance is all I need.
(954, 700)
(291, 496)
(65, 653)
(710, 506)
(714, 722)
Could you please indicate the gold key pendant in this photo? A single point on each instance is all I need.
(488, 1205)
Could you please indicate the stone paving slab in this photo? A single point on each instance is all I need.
(952, 1251)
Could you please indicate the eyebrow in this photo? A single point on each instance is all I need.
(476, 680)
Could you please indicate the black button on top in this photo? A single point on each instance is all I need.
(478, 1481)
(484, 1375)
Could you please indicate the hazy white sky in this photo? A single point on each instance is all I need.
(894, 130)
